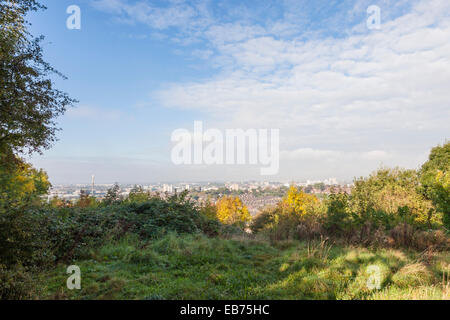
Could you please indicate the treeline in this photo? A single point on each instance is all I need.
(391, 207)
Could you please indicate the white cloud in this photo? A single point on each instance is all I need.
(358, 89)
(174, 14)
(340, 102)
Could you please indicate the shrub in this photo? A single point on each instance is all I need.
(15, 283)
(17, 236)
(262, 220)
(435, 180)
(44, 235)
(394, 193)
(339, 220)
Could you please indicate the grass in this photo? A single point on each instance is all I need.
(197, 267)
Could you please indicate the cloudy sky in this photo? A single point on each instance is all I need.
(347, 99)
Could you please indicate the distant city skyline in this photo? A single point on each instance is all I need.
(329, 181)
(255, 194)
(346, 99)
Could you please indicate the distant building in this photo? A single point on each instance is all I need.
(330, 181)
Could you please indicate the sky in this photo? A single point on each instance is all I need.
(347, 99)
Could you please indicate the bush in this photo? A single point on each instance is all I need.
(15, 283)
(42, 236)
(395, 194)
(262, 220)
(17, 236)
(339, 220)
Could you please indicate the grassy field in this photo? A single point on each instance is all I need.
(197, 267)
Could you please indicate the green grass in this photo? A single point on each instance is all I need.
(197, 267)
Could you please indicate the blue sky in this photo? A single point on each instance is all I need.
(345, 98)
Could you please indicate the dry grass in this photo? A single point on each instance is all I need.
(446, 285)
(414, 274)
(319, 249)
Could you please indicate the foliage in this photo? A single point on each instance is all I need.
(208, 209)
(137, 194)
(85, 200)
(231, 210)
(435, 180)
(293, 218)
(41, 236)
(390, 196)
(298, 202)
(378, 207)
(320, 186)
(20, 183)
(16, 283)
(56, 202)
(113, 195)
(339, 217)
(21, 188)
(17, 236)
(263, 220)
(29, 103)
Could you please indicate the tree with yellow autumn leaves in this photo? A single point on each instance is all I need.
(231, 210)
(20, 183)
(298, 202)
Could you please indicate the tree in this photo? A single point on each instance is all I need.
(29, 103)
(392, 194)
(138, 194)
(231, 210)
(435, 180)
(298, 202)
(56, 202)
(20, 183)
(320, 186)
(112, 195)
(339, 217)
(208, 209)
(85, 200)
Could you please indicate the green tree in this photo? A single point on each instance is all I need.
(435, 180)
(29, 103)
(339, 216)
(85, 200)
(384, 196)
(208, 209)
(320, 186)
(138, 194)
(112, 195)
